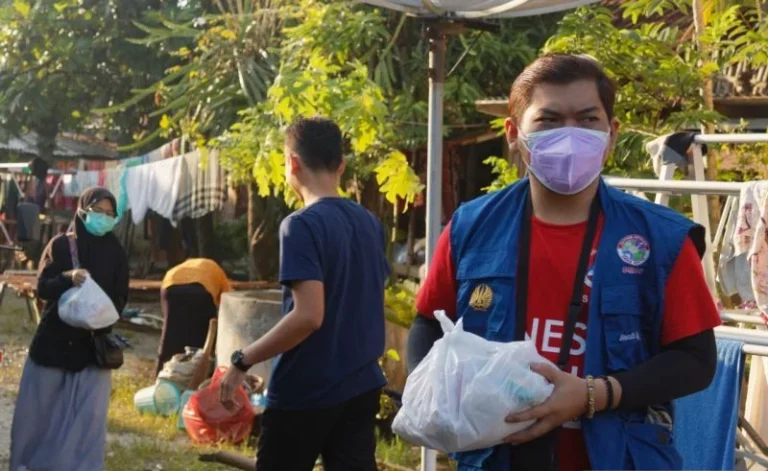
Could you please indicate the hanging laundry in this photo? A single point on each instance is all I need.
(670, 149)
(28, 222)
(13, 196)
(68, 186)
(112, 180)
(202, 188)
(708, 440)
(734, 273)
(153, 186)
(58, 198)
(80, 181)
(751, 237)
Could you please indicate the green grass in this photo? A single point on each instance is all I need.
(140, 442)
(399, 453)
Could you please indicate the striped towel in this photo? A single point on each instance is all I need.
(202, 188)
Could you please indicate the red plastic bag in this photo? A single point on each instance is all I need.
(207, 420)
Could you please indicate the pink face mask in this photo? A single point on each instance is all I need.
(566, 160)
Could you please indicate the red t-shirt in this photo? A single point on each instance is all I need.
(554, 258)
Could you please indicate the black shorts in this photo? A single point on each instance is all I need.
(344, 436)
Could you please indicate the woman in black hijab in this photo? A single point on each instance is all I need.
(60, 419)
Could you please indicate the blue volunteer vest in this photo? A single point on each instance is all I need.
(638, 246)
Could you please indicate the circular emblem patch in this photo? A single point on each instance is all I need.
(634, 250)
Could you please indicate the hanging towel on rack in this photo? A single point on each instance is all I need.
(153, 186)
(705, 422)
(733, 271)
(751, 237)
(202, 188)
(670, 149)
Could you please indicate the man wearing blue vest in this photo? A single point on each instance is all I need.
(608, 286)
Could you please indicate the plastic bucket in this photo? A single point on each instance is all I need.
(184, 399)
(144, 400)
(164, 398)
(167, 398)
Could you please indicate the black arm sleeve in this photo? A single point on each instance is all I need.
(51, 281)
(122, 282)
(682, 368)
(422, 335)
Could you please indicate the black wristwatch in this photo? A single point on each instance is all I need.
(237, 361)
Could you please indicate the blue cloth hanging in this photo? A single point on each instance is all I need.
(705, 422)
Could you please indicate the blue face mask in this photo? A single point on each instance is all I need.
(98, 224)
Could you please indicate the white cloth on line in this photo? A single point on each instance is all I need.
(153, 186)
(68, 187)
(751, 237)
(734, 272)
(80, 181)
(112, 180)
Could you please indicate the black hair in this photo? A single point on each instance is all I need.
(317, 141)
(560, 69)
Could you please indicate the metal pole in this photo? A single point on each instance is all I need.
(434, 167)
(749, 138)
(701, 215)
(680, 187)
(750, 336)
(435, 138)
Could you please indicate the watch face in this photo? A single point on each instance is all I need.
(237, 357)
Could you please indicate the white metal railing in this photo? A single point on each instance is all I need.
(677, 187)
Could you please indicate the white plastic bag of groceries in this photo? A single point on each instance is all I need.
(87, 307)
(457, 398)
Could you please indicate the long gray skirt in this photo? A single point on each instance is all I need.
(60, 419)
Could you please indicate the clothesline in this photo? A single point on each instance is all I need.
(184, 186)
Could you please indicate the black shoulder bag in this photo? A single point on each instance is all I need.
(541, 453)
(106, 345)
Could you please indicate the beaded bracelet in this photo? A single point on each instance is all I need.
(590, 397)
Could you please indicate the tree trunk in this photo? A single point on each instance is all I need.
(46, 139)
(264, 217)
(253, 272)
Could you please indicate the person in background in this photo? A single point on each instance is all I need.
(609, 287)
(190, 297)
(324, 393)
(60, 418)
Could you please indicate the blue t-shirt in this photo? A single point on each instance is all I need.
(342, 244)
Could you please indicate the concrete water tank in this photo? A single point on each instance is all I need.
(245, 316)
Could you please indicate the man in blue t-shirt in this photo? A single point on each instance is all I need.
(324, 392)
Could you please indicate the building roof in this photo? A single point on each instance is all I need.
(68, 146)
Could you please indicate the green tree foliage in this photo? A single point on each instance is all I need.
(367, 69)
(223, 64)
(61, 59)
(657, 66)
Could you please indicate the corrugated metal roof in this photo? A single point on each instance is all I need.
(67, 146)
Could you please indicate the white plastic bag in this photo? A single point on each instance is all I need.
(457, 398)
(87, 307)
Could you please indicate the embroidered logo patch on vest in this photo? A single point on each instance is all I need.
(634, 250)
(481, 298)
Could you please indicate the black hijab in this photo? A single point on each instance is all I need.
(97, 254)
